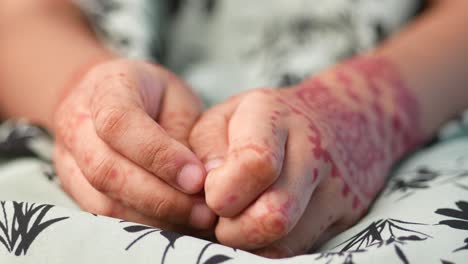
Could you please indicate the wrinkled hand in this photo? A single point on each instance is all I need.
(121, 146)
(289, 168)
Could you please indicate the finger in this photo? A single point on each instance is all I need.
(209, 136)
(321, 221)
(180, 110)
(255, 157)
(93, 201)
(274, 214)
(122, 180)
(121, 120)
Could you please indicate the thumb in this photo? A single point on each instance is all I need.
(180, 109)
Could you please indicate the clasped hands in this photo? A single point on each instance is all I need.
(272, 171)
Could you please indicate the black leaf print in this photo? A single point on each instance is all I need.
(384, 233)
(421, 179)
(460, 224)
(136, 228)
(401, 255)
(461, 214)
(48, 170)
(464, 187)
(109, 5)
(217, 259)
(372, 235)
(210, 6)
(17, 142)
(19, 233)
(332, 255)
(446, 262)
(171, 236)
(50, 175)
(147, 230)
(424, 178)
(174, 6)
(203, 252)
(380, 31)
(411, 238)
(455, 224)
(349, 259)
(465, 247)
(464, 206)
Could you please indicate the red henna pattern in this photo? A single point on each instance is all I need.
(356, 202)
(275, 221)
(354, 140)
(260, 150)
(346, 190)
(346, 81)
(315, 175)
(232, 199)
(254, 147)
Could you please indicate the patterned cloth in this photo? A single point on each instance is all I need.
(224, 47)
(420, 217)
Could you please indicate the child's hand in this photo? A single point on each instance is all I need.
(121, 147)
(291, 167)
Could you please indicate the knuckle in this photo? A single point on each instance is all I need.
(110, 122)
(274, 224)
(102, 174)
(156, 158)
(160, 208)
(264, 167)
(264, 229)
(206, 133)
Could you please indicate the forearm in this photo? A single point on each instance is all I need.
(432, 57)
(43, 44)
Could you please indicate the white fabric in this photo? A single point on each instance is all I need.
(248, 44)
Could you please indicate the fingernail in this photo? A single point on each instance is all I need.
(213, 164)
(190, 178)
(201, 216)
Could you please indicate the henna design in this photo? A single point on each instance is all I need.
(359, 133)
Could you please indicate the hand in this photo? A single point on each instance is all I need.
(121, 146)
(289, 168)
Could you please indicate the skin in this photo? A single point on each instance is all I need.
(117, 122)
(322, 146)
(110, 149)
(284, 169)
(304, 163)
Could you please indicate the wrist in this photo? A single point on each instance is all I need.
(372, 87)
(72, 80)
(393, 103)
